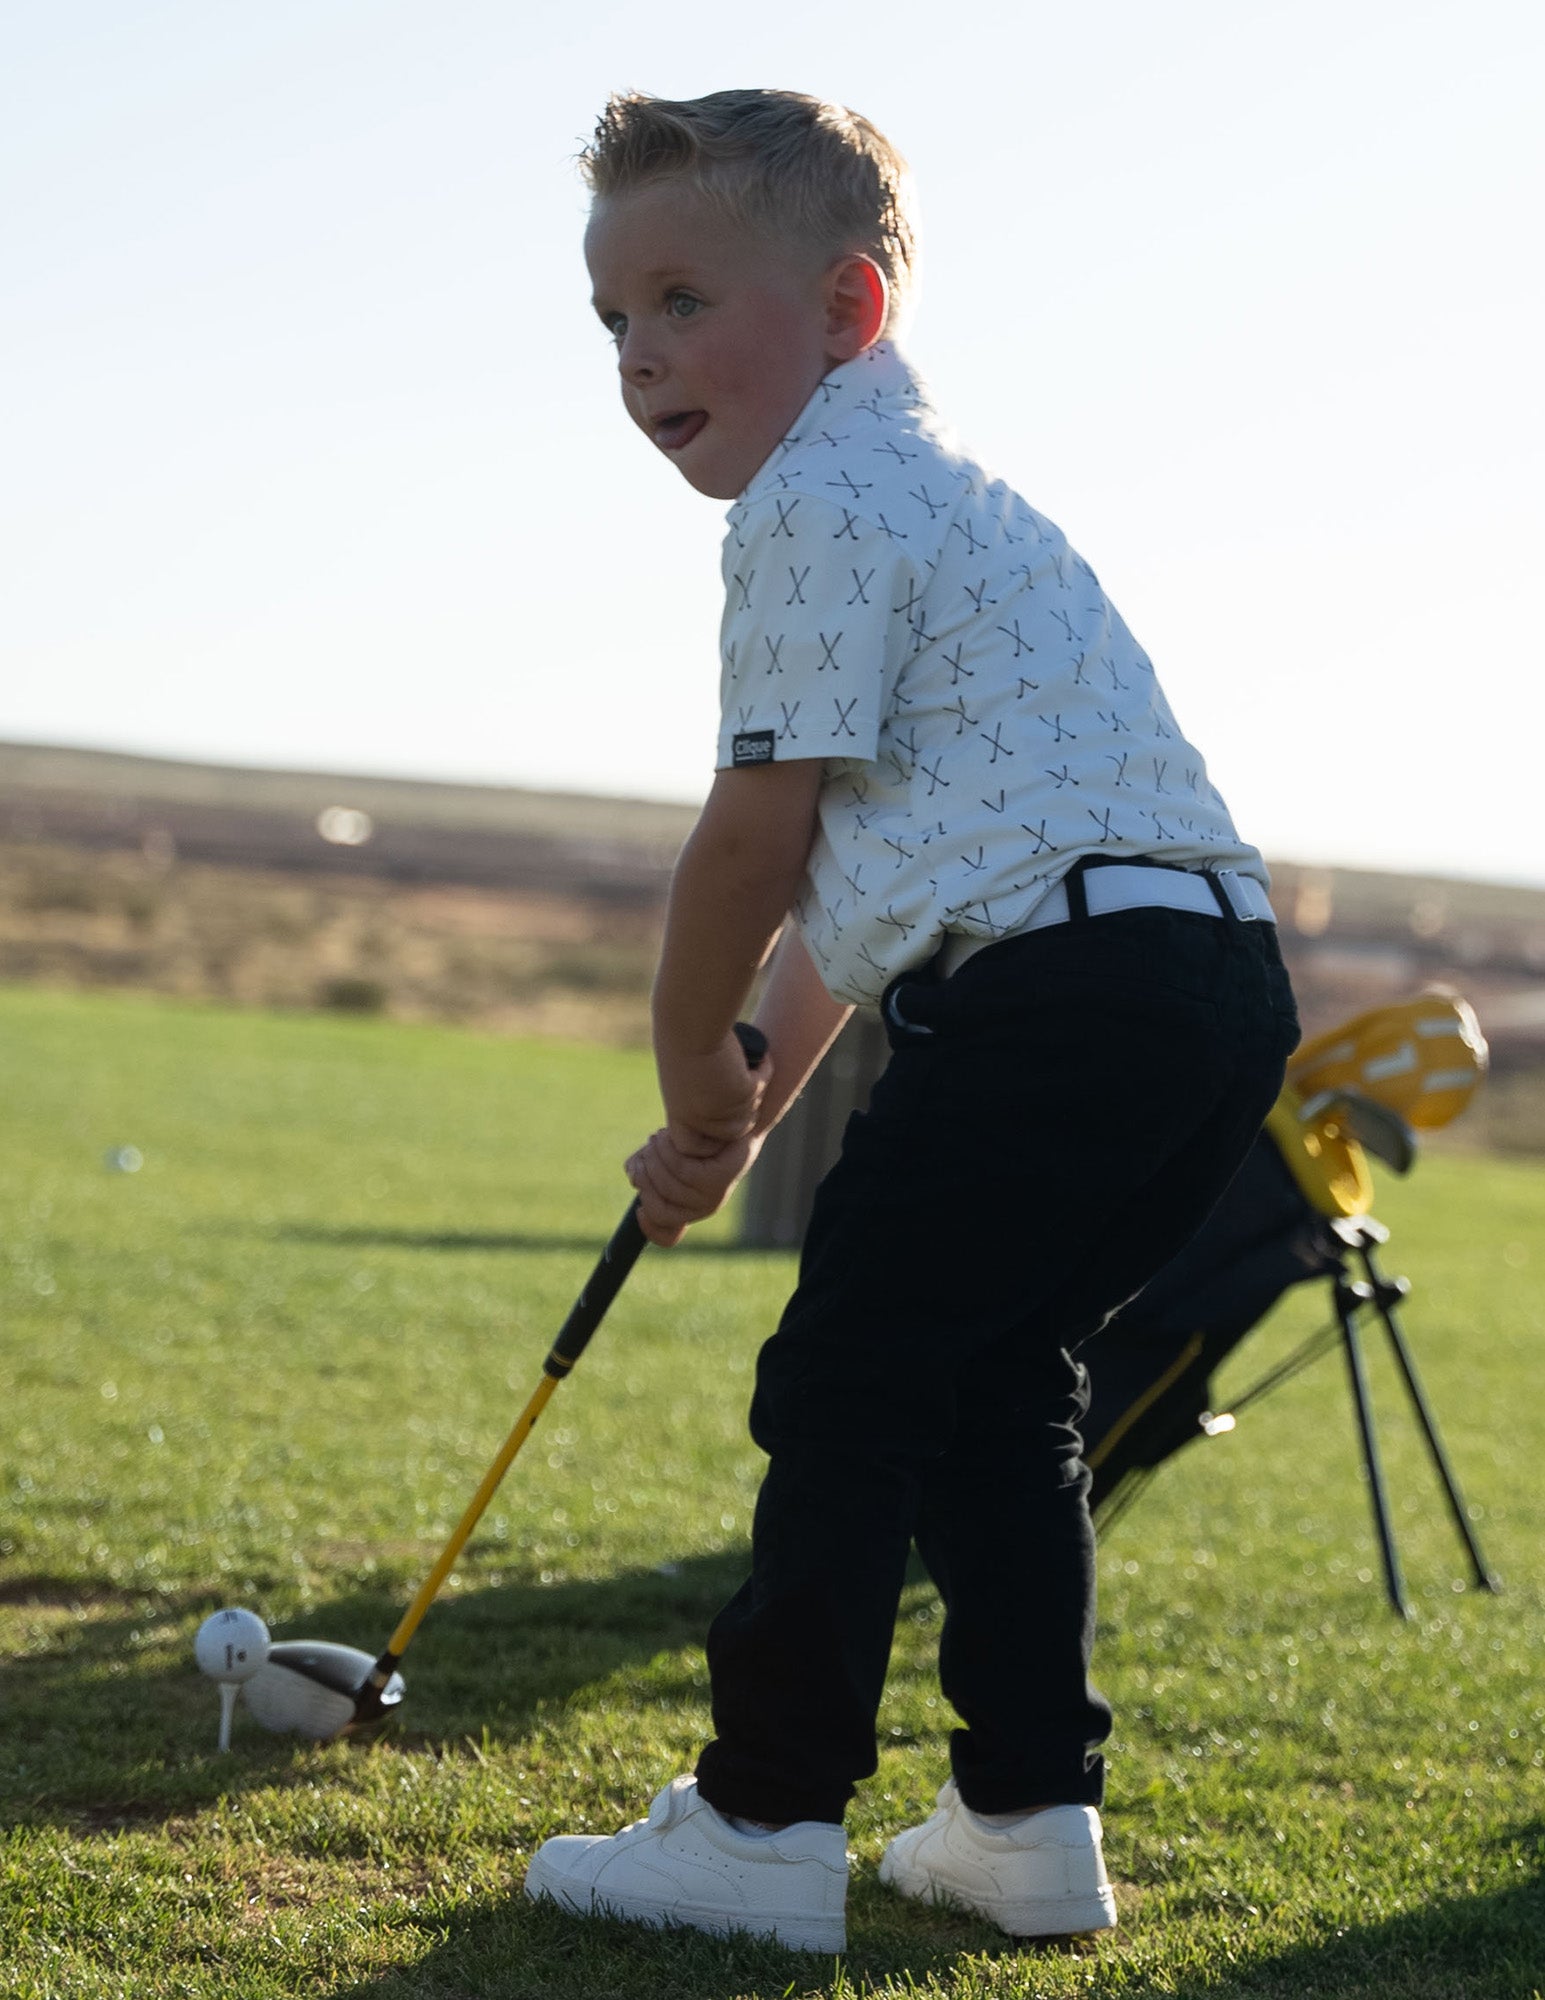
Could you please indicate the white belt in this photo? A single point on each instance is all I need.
(1107, 890)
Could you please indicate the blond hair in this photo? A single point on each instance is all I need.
(820, 176)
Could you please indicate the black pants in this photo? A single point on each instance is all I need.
(1055, 1122)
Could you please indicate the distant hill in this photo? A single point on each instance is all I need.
(421, 831)
(465, 901)
(51, 770)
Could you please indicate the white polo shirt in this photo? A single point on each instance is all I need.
(983, 715)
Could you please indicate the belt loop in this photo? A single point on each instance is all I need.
(1073, 887)
(1220, 894)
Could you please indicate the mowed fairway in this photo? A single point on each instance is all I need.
(270, 1367)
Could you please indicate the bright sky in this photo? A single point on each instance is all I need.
(313, 453)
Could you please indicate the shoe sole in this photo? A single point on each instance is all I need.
(1033, 1916)
(794, 1933)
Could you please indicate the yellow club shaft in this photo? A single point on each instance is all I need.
(430, 1587)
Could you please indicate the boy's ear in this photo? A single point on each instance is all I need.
(857, 301)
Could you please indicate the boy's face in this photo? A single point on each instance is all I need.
(721, 332)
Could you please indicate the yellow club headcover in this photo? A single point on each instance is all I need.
(1421, 1058)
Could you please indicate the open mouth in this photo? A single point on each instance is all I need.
(671, 433)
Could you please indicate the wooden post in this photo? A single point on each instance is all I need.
(782, 1184)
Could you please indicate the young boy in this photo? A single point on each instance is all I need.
(944, 755)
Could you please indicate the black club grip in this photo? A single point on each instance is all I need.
(753, 1043)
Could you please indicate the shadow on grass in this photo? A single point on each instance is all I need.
(101, 1734)
(100, 1731)
(1489, 1946)
(519, 1950)
(1485, 1947)
(475, 1239)
(489, 1659)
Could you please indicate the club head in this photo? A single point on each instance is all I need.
(311, 1687)
(1377, 1129)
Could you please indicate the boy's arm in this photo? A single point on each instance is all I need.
(732, 886)
(801, 1020)
(730, 892)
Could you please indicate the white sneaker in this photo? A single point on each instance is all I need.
(686, 1864)
(1044, 1877)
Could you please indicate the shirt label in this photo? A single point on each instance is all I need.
(755, 747)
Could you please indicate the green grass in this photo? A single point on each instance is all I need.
(270, 1368)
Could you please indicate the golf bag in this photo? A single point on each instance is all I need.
(1297, 1212)
(1151, 1368)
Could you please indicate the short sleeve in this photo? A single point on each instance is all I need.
(816, 629)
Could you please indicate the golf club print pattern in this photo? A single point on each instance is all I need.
(984, 715)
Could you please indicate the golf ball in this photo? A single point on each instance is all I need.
(231, 1645)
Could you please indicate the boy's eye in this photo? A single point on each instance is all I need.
(682, 305)
(616, 325)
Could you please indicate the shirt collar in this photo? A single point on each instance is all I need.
(878, 384)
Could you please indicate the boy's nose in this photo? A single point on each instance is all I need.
(637, 359)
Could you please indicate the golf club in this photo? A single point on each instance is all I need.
(315, 1688)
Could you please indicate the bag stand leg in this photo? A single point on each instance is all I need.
(1387, 1293)
(1361, 1235)
(1349, 1295)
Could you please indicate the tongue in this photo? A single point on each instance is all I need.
(674, 432)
